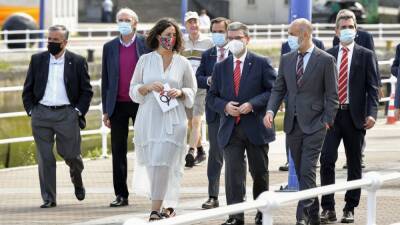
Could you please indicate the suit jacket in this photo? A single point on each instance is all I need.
(110, 71)
(315, 102)
(395, 72)
(204, 71)
(362, 38)
(256, 81)
(76, 80)
(285, 48)
(363, 84)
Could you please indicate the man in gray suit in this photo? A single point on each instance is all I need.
(308, 77)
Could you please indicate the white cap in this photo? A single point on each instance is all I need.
(191, 15)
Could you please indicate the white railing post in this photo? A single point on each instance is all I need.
(380, 31)
(376, 183)
(255, 31)
(283, 32)
(270, 201)
(269, 32)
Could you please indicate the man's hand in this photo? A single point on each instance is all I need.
(174, 93)
(397, 114)
(245, 108)
(106, 120)
(209, 81)
(232, 108)
(268, 120)
(369, 122)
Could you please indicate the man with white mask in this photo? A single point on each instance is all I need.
(120, 56)
(358, 106)
(240, 89)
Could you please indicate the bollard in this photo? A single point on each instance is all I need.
(90, 55)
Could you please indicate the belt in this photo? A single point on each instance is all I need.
(55, 107)
(343, 106)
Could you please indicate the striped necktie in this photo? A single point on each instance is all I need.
(343, 74)
(236, 83)
(299, 68)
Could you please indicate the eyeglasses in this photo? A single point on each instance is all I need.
(235, 38)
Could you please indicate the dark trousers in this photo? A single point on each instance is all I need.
(119, 144)
(61, 126)
(215, 159)
(305, 150)
(235, 168)
(353, 139)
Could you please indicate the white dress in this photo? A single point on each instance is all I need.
(160, 138)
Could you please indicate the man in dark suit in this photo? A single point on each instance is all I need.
(213, 55)
(57, 94)
(308, 78)
(286, 48)
(239, 92)
(120, 56)
(358, 107)
(395, 72)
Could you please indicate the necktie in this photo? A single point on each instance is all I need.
(236, 83)
(343, 74)
(299, 68)
(221, 54)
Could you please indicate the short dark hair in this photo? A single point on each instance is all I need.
(152, 41)
(61, 28)
(219, 20)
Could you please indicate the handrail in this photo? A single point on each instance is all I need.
(269, 201)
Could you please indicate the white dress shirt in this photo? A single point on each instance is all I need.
(242, 58)
(55, 93)
(349, 58)
(126, 45)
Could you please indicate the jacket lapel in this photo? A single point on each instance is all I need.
(229, 75)
(354, 61)
(67, 67)
(248, 62)
(292, 77)
(213, 55)
(312, 62)
(115, 56)
(45, 67)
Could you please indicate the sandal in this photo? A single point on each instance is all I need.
(154, 216)
(168, 212)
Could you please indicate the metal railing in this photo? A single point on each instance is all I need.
(269, 201)
(94, 38)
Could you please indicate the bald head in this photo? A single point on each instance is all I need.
(302, 29)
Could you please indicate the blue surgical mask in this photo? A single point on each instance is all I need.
(347, 36)
(218, 39)
(293, 42)
(124, 28)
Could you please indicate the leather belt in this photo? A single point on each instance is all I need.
(55, 107)
(343, 106)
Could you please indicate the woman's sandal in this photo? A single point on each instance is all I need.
(168, 212)
(154, 216)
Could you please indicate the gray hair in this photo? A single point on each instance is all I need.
(61, 28)
(128, 11)
(235, 26)
(345, 14)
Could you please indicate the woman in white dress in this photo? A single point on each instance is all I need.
(160, 137)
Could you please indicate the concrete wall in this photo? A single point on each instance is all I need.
(261, 12)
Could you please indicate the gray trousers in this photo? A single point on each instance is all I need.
(235, 168)
(305, 150)
(62, 126)
(215, 159)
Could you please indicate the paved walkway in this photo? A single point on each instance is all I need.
(20, 194)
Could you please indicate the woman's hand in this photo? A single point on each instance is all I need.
(156, 86)
(174, 93)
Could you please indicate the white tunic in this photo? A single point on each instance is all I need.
(160, 138)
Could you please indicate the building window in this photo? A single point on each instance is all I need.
(251, 2)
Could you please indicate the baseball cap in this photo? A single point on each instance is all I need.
(191, 15)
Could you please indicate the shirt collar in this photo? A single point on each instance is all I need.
(242, 58)
(350, 46)
(60, 60)
(130, 42)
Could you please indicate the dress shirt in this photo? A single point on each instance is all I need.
(130, 42)
(226, 52)
(242, 58)
(55, 93)
(350, 47)
(307, 57)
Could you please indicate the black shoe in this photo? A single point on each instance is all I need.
(348, 217)
(300, 222)
(328, 216)
(362, 164)
(345, 166)
(233, 221)
(284, 167)
(190, 158)
(210, 204)
(80, 193)
(119, 201)
(48, 204)
(201, 156)
(258, 218)
(312, 220)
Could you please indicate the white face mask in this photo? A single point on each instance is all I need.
(236, 47)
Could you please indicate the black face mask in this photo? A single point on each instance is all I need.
(54, 48)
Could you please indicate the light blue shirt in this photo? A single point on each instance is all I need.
(307, 57)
